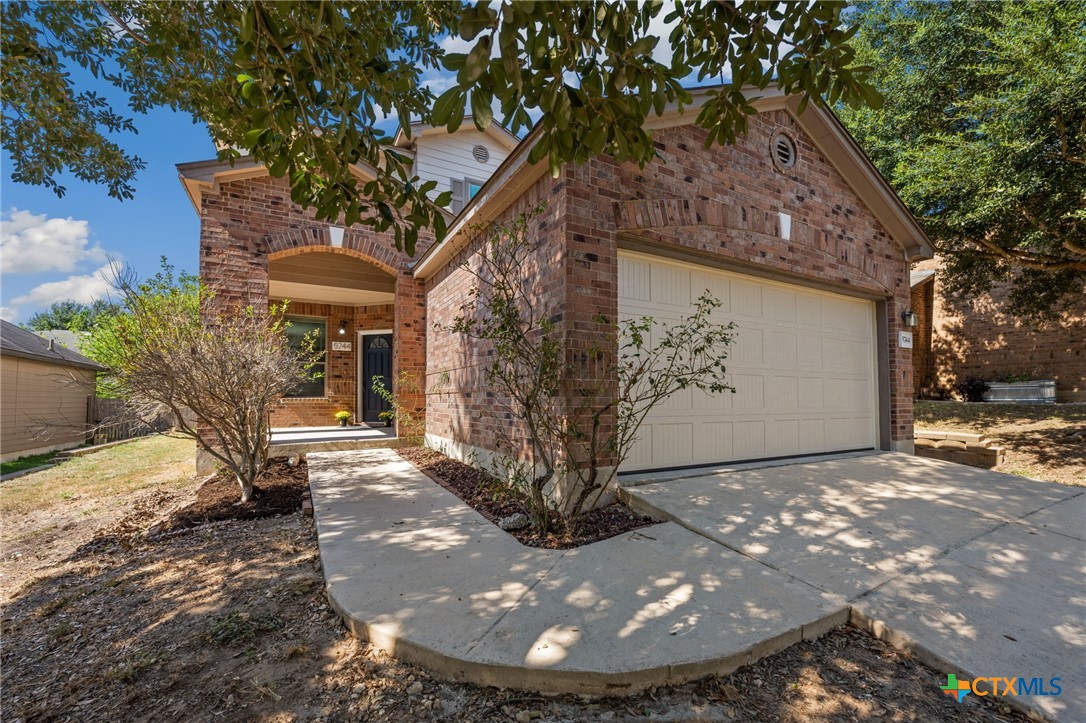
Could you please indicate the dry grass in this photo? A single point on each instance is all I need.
(162, 462)
(1043, 441)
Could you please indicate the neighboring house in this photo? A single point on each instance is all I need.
(43, 394)
(791, 227)
(961, 338)
(73, 340)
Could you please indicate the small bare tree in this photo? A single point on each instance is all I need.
(219, 375)
(579, 413)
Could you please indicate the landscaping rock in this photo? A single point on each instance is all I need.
(514, 522)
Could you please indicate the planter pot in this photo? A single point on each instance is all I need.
(388, 422)
(343, 422)
(1041, 391)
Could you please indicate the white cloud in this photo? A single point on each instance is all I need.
(31, 243)
(83, 288)
(8, 314)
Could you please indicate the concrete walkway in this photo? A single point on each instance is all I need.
(416, 571)
(981, 573)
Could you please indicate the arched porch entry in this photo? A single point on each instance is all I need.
(361, 306)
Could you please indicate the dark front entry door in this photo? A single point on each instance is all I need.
(376, 362)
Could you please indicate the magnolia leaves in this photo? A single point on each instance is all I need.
(305, 88)
(589, 72)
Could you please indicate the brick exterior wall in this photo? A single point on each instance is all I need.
(921, 301)
(978, 338)
(719, 205)
(245, 224)
(459, 403)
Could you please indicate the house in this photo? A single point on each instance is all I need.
(791, 227)
(977, 337)
(43, 393)
(73, 340)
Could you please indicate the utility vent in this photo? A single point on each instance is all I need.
(480, 153)
(784, 151)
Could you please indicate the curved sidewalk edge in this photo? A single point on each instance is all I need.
(414, 570)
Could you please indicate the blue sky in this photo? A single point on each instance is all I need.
(54, 248)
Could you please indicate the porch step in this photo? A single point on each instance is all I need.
(290, 449)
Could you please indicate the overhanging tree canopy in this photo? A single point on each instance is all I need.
(302, 86)
(983, 133)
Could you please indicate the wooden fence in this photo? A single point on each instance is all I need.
(108, 422)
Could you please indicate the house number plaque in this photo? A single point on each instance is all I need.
(341, 346)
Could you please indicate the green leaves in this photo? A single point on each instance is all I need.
(978, 122)
(303, 86)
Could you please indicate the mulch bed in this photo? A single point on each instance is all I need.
(483, 493)
(278, 491)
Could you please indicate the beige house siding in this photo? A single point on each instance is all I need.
(446, 156)
(42, 406)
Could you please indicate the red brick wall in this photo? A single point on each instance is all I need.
(921, 303)
(977, 338)
(459, 402)
(836, 242)
(246, 223)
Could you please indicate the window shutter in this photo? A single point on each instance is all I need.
(459, 194)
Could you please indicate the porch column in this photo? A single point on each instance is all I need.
(409, 340)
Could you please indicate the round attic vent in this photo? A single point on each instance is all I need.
(480, 153)
(784, 151)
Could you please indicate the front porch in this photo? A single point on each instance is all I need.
(348, 305)
(290, 441)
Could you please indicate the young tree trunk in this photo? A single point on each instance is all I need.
(246, 488)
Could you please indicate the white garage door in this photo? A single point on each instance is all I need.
(802, 364)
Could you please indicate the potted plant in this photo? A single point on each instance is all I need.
(343, 416)
(387, 417)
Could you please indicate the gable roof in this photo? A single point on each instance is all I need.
(200, 176)
(918, 277)
(495, 130)
(824, 129)
(18, 342)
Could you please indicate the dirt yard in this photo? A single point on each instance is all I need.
(1044, 441)
(227, 620)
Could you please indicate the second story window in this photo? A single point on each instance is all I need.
(463, 190)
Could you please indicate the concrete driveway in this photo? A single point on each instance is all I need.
(981, 573)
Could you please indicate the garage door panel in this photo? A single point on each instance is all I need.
(809, 311)
(746, 299)
(781, 305)
(714, 438)
(635, 277)
(802, 365)
(809, 351)
(812, 435)
(749, 391)
(811, 397)
(784, 437)
(717, 286)
(783, 392)
(640, 456)
(670, 286)
(706, 402)
(780, 349)
(747, 347)
(673, 443)
(749, 439)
